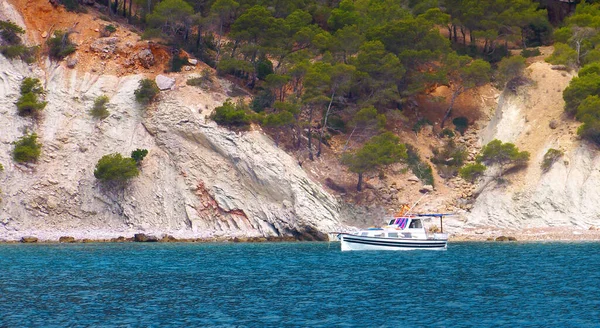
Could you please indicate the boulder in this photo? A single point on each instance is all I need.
(104, 45)
(192, 61)
(164, 82)
(66, 239)
(143, 238)
(29, 240)
(71, 62)
(146, 58)
(426, 188)
(413, 178)
(168, 239)
(44, 34)
(506, 238)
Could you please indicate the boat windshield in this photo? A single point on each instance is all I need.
(415, 223)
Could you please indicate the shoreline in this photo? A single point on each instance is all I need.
(550, 234)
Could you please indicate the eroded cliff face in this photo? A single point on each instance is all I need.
(568, 194)
(198, 180)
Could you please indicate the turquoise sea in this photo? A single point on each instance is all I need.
(299, 285)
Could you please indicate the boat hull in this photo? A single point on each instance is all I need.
(361, 243)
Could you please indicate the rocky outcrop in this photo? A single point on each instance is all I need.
(198, 180)
(164, 82)
(146, 58)
(566, 195)
(66, 239)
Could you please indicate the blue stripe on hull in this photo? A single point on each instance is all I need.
(395, 244)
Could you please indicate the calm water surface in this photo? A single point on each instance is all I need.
(299, 284)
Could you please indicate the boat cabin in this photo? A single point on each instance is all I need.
(400, 227)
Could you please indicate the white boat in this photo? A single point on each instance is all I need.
(400, 233)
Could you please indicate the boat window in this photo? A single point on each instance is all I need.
(364, 233)
(415, 224)
(392, 221)
(393, 234)
(379, 235)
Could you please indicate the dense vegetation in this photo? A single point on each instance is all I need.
(352, 67)
(379, 151)
(577, 46)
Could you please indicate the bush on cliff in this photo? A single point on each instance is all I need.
(146, 92)
(27, 149)
(116, 168)
(472, 172)
(99, 110)
(60, 46)
(551, 156)
(138, 155)
(504, 155)
(29, 104)
(11, 44)
(231, 114)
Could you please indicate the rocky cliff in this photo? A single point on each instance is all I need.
(199, 180)
(567, 195)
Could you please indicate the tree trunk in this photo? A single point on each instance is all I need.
(359, 184)
(462, 31)
(455, 35)
(130, 8)
(450, 33)
(125, 8)
(324, 125)
(449, 110)
(219, 43)
(348, 141)
(235, 45)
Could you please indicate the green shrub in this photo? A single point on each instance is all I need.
(29, 104)
(110, 28)
(588, 112)
(461, 124)
(472, 172)
(230, 114)
(27, 149)
(1, 167)
(12, 45)
(503, 154)
(235, 67)
(422, 170)
(60, 46)
(146, 92)
(449, 159)
(99, 110)
(264, 68)
(530, 52)
(177, 63)
(263, 99)
(447, 133)
(151, 33)
(551, 156)
(138, 155)
(115, 168)
(420, 124)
